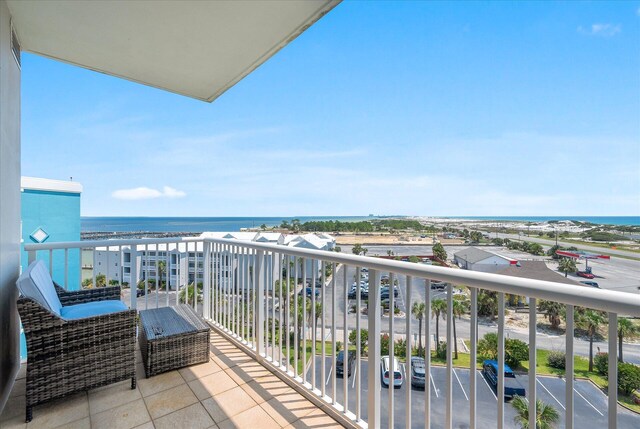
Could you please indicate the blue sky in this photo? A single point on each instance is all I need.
(387, 108)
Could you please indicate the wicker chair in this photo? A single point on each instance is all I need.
(69, 356)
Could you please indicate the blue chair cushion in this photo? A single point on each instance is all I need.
(35, 283)
(91, 309)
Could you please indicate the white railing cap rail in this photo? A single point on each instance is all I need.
(611, 301)
(110, 243)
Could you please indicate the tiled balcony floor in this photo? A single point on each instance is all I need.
(230, 391)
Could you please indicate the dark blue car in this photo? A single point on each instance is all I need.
(512, 386)
(308, 291)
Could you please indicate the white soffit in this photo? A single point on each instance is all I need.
(194, 48)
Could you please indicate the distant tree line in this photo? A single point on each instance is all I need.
(377, 225)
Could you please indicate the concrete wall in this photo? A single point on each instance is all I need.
(9, 207)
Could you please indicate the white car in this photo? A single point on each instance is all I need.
(398, 378)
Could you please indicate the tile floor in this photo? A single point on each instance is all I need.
(230, 391)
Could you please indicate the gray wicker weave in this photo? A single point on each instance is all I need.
(69, 356)
(171, 338)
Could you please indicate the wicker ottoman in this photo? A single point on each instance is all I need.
(171, 338)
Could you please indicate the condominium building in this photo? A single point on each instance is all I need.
(183, 262)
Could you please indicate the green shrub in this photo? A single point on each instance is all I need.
(384, 344)
(601, 363)
(515, 352)
(364, 338)
(628, 378)
(400, 348)
(488, 346)
(557, 360)
(441, 350)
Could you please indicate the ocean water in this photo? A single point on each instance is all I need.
(600, 220)
(195, 224)
(199, 224)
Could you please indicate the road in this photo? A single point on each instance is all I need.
(589, 402)
(545, 341)
(594, 249)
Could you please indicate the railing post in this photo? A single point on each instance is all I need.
(500, 389)
(374, 320)
(613, 371)
(206, 308)
(31, 256)
(259, 277)
(450, 349)
(569, 367)
(532, 361)
(133, 274)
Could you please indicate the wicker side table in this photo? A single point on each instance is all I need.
(171, 338)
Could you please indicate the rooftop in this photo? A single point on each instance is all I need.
(536, 270)
(473, 255)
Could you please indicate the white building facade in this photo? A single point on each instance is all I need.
(183, 263)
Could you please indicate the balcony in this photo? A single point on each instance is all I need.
(242, 300)
(232, 390)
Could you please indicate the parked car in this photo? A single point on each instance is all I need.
(351, 359)
(418, 371)
(384, 290)
(397, 371)
(318, 283)
(585, 274)
(512, 386)
(352, 293)
(308, 291)
(438, 285)
(590, 283)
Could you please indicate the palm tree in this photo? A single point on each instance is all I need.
(304, 311)
(590, 320)
(438, 308)
(546, 415)
(567, 265)
(553, 310)
(162, 267)
(418, 310)
(626, 328)
(460, 307)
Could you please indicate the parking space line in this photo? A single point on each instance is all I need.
(586, 400)
(460, 383)
(329, 376)
(434, 385)
(556, 399)
(485, 382)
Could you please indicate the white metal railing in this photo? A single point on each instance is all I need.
(257, 294)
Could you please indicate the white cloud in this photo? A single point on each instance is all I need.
(144, 193)
(603, 30)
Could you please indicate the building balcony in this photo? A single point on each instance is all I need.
(258, 375)
(232, 390)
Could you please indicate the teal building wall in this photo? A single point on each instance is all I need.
(58, 215)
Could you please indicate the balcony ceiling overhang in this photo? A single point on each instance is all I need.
(194, 48)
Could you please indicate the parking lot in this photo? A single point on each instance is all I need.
(589, 402)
